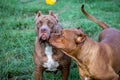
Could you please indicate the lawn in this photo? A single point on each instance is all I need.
(17, 31)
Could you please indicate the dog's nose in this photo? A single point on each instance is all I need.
(43, 30)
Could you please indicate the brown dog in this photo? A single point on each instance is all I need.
(96, 60)
(46, 57)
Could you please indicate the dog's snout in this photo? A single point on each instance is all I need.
(43, 30)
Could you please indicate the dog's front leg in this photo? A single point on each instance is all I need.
(38, 74)
(65, 73)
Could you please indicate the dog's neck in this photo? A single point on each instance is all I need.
(88, 52)
(41, 46)
(88, 48)
(85, 53)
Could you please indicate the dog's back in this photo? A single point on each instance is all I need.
(110, 37)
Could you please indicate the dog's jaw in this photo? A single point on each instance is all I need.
(43, 37)
(51, 65)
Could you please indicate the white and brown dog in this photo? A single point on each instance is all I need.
(46, 57)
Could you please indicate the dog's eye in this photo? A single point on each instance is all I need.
(37, 28)
(40, 23)
(50, 24)
(62, 32)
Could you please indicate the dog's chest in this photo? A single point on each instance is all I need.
(50, 65)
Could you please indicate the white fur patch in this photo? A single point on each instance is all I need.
(86, 78)
(51, 65)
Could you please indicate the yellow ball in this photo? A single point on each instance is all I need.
(50, 2)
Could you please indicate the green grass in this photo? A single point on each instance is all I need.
(17, 34)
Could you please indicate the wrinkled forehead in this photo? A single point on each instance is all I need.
(45, 18)
(72, 31)
(68, 32)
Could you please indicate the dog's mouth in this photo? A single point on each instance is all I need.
(43, 37)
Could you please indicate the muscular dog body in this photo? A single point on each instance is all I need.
(46, 57)
(96, 60)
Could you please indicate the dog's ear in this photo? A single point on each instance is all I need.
(81, 37)
(57, 28)
(54, 15)
(39, 14)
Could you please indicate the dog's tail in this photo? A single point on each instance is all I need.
(101, 24)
